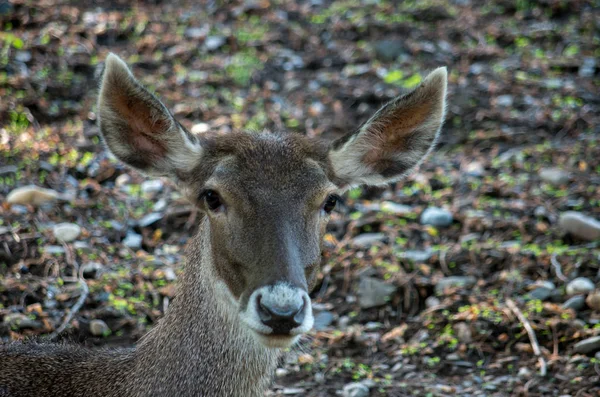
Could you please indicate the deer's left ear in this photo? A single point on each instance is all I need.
(396, 139)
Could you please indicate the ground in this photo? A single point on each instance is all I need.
(520, 147)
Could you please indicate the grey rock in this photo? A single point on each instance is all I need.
(416, 255)
(580, 285)
(323, 320)
(152, 186)
(504, 100)
(593, 300)
(122, 180)
(588, 67)
(150, 219)
(477, 68)
(453, 282)
(576, 303)
(196, 33)
(66, 232)
(160, 205)
(23, 56)
(291, 391)
(540, 212)
(214, 42)
(554, 176)
(91, 269)
(539, 293)
(475, 169)
(20, 321)
(31, 195)
(463, 332)
(389, 50)
(373, 292)
(437, 217)
(99, 328)
(589, 345)
(395, 208)
(169, 274)
(54, 249)
(432, 301)
(355, 390)
(133, 240)
(367, 239)
(580, 225)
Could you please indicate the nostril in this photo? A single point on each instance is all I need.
(299, 316)
(281, 318)
(263, 311)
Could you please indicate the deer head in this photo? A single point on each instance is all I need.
(267, 197)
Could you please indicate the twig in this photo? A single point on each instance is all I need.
(84, 293)
(532, 338)
(558, 268)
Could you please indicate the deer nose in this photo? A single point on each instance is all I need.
(281, 318)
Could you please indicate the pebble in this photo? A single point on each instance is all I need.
(281, 372)
(436, 217)
(588, 67)
(576, 303)
(200, 128)
(416, 255)
(54, 249)
(20, 321)
(32, 195)
(463, 332)
(66, 232)
(323, 320)
(366, 240)
(91, 269)
(593, 301)
(432, 301)
(133, 240)
(122, 180)
(475, 169)
(389, 49)
(580, 285)
(169, 274)
(99, 328)
(589, 345)
(554, 176)
(395, 208)
(580, 225)
(540, 293)
(152, 186)
(355, 390)
(373, 292)
(289, 391)
(150, 219)
(504, 100)
(214, 42)
(454, 281)
(196, 33)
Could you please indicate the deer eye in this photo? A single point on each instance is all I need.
(212, 199)
(330, 203)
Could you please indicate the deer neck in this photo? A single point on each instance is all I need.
(201, 347)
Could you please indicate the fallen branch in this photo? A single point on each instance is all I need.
(558, 268)
(84, 293)
(532, 338)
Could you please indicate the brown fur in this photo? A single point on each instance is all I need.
(267, 231)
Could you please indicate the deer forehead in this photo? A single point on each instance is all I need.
(251, 165)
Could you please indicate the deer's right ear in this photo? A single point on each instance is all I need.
(138, 129)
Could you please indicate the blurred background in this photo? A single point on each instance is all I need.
(418, 278)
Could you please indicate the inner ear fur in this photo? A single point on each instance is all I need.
(137, 128)
(396, 138)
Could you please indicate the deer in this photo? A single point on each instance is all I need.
(243, 297)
